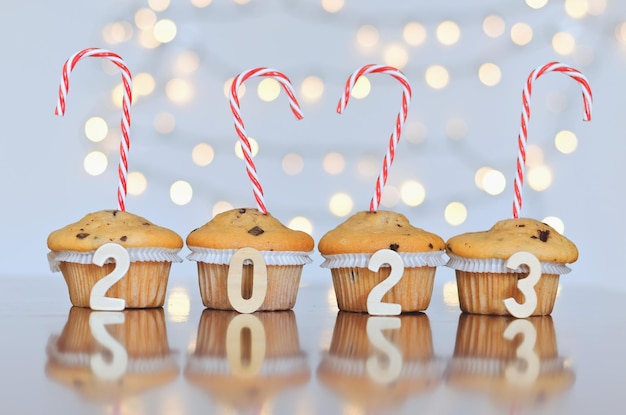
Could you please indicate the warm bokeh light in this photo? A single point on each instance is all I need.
(534, 155)
(181, 192)
(493, 182)
(164, 122)
(368, 166)
(117, 94)
(312, 89)
(455, 213)
(493, 26)
(254, 148)
(536, 4)
(333, 163)
(479, 177)
(450, 294)
(340, 204)
(221, 206)
(136, 183)
(361, 88)
(396, 55)
(147, 40)
(437, 76)
(179, 91)
(332, 6)
(186, 63)
(576, 9)
(202, 154)
(456, 128)
(118, 32)
(414, 34)
(240, 92)
(563, 43)
(367, 36)
(521, 34)
(201, 3)
(390, 196)
(95, 163)
(164, 30)
(412, 193)
(489, 74)
(292, 164)
(596, 7)
(448, 33)
(143, 84)
(565, 141)
(268, 89)
(556, 223)
(539, 177)
(159, 5)
(145, 18)
(300, 223)
(96, 129)
(241, 2)
(178, 305)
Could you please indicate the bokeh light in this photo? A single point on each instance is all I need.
(451, 294)
(178, 305)
(312, 89)
(489, 74)
(143, 84)
(534, 155)
(367, 36)
(493, 26)
(437, 76)
(576, 9)
(181, 192)
(240, 92)
(456, 128)
(333, 163)
(448, 33)
(268, 89)
(221, 206)
(145, 18)
(565, 141)
(254, 148)
(118, 32)
(202, 154)
(164, 30)
(555, 222)
(390, 196)
(179, 91)
(136, 183)
(414, 34)
(536, 4)
(96, 129)
(340, 204)
(292, 164)
(412, 193)
(186, 63)
(164, 122)
(332, 6)
(300, 223)
(455, 213)
(361, 88)
(493, 182)
(539, 177)
(159, 5)
(563, 43)
(396, 55)
(201, 3)
(521, 34)
(95, 163)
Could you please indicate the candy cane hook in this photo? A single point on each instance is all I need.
(239, 127)
(522, 138)
(400, 119)
(127, 99)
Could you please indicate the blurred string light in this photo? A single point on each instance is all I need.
(151, 28)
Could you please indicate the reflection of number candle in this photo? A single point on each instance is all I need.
(400, 119)
(126, 102)
(239, 127)
(523, 137)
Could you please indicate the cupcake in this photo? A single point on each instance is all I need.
(348, 248)
(284, 250)
(151, 249)
(143, 336)
(345, 367)
(268, 358)
(483, 279)
(482, 356)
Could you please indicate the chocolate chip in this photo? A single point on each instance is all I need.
(398, 225)
(533, 237)
(430, 246)
(242, 210)
(146, 223)
(394, 247)
(124, 238)
(521, 225)
(543, 235)
(448, 247)
(256, 231)
(82, 235)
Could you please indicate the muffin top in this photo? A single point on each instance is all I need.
(126, 229)
(247, 227)
(509, 236)
(367, 232)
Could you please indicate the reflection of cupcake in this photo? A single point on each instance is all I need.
(143, 336)
(242, 360)
(483, 279)
(344, 367)
(284, 250)
(151, 248)
(348, 248)
(482, 356)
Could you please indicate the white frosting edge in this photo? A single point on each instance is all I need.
(223, 256)
(210, 365)
(496, 265)
(135, 254)
(410, 260)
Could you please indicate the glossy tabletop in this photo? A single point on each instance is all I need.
(183, 359)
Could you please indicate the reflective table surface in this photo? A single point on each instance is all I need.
(184, 359)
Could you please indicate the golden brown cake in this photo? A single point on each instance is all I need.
(151, 249)
(348, 248)
(143, 336)
(244, 360)
(483, 279)
(483, 355)
(284, 250)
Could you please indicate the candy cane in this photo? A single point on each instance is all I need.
(400, 119)
(522, 138)
(127, 99)
(239, 127)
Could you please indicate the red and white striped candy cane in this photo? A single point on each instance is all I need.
(127, 99)
(522, 138)
(400, 119)
(239, 127)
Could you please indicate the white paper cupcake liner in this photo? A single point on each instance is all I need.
(495, 265)
(223, 256)
(410, 260)
(270, 366)
(135, 254)
(135, 365)
(433, 368)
